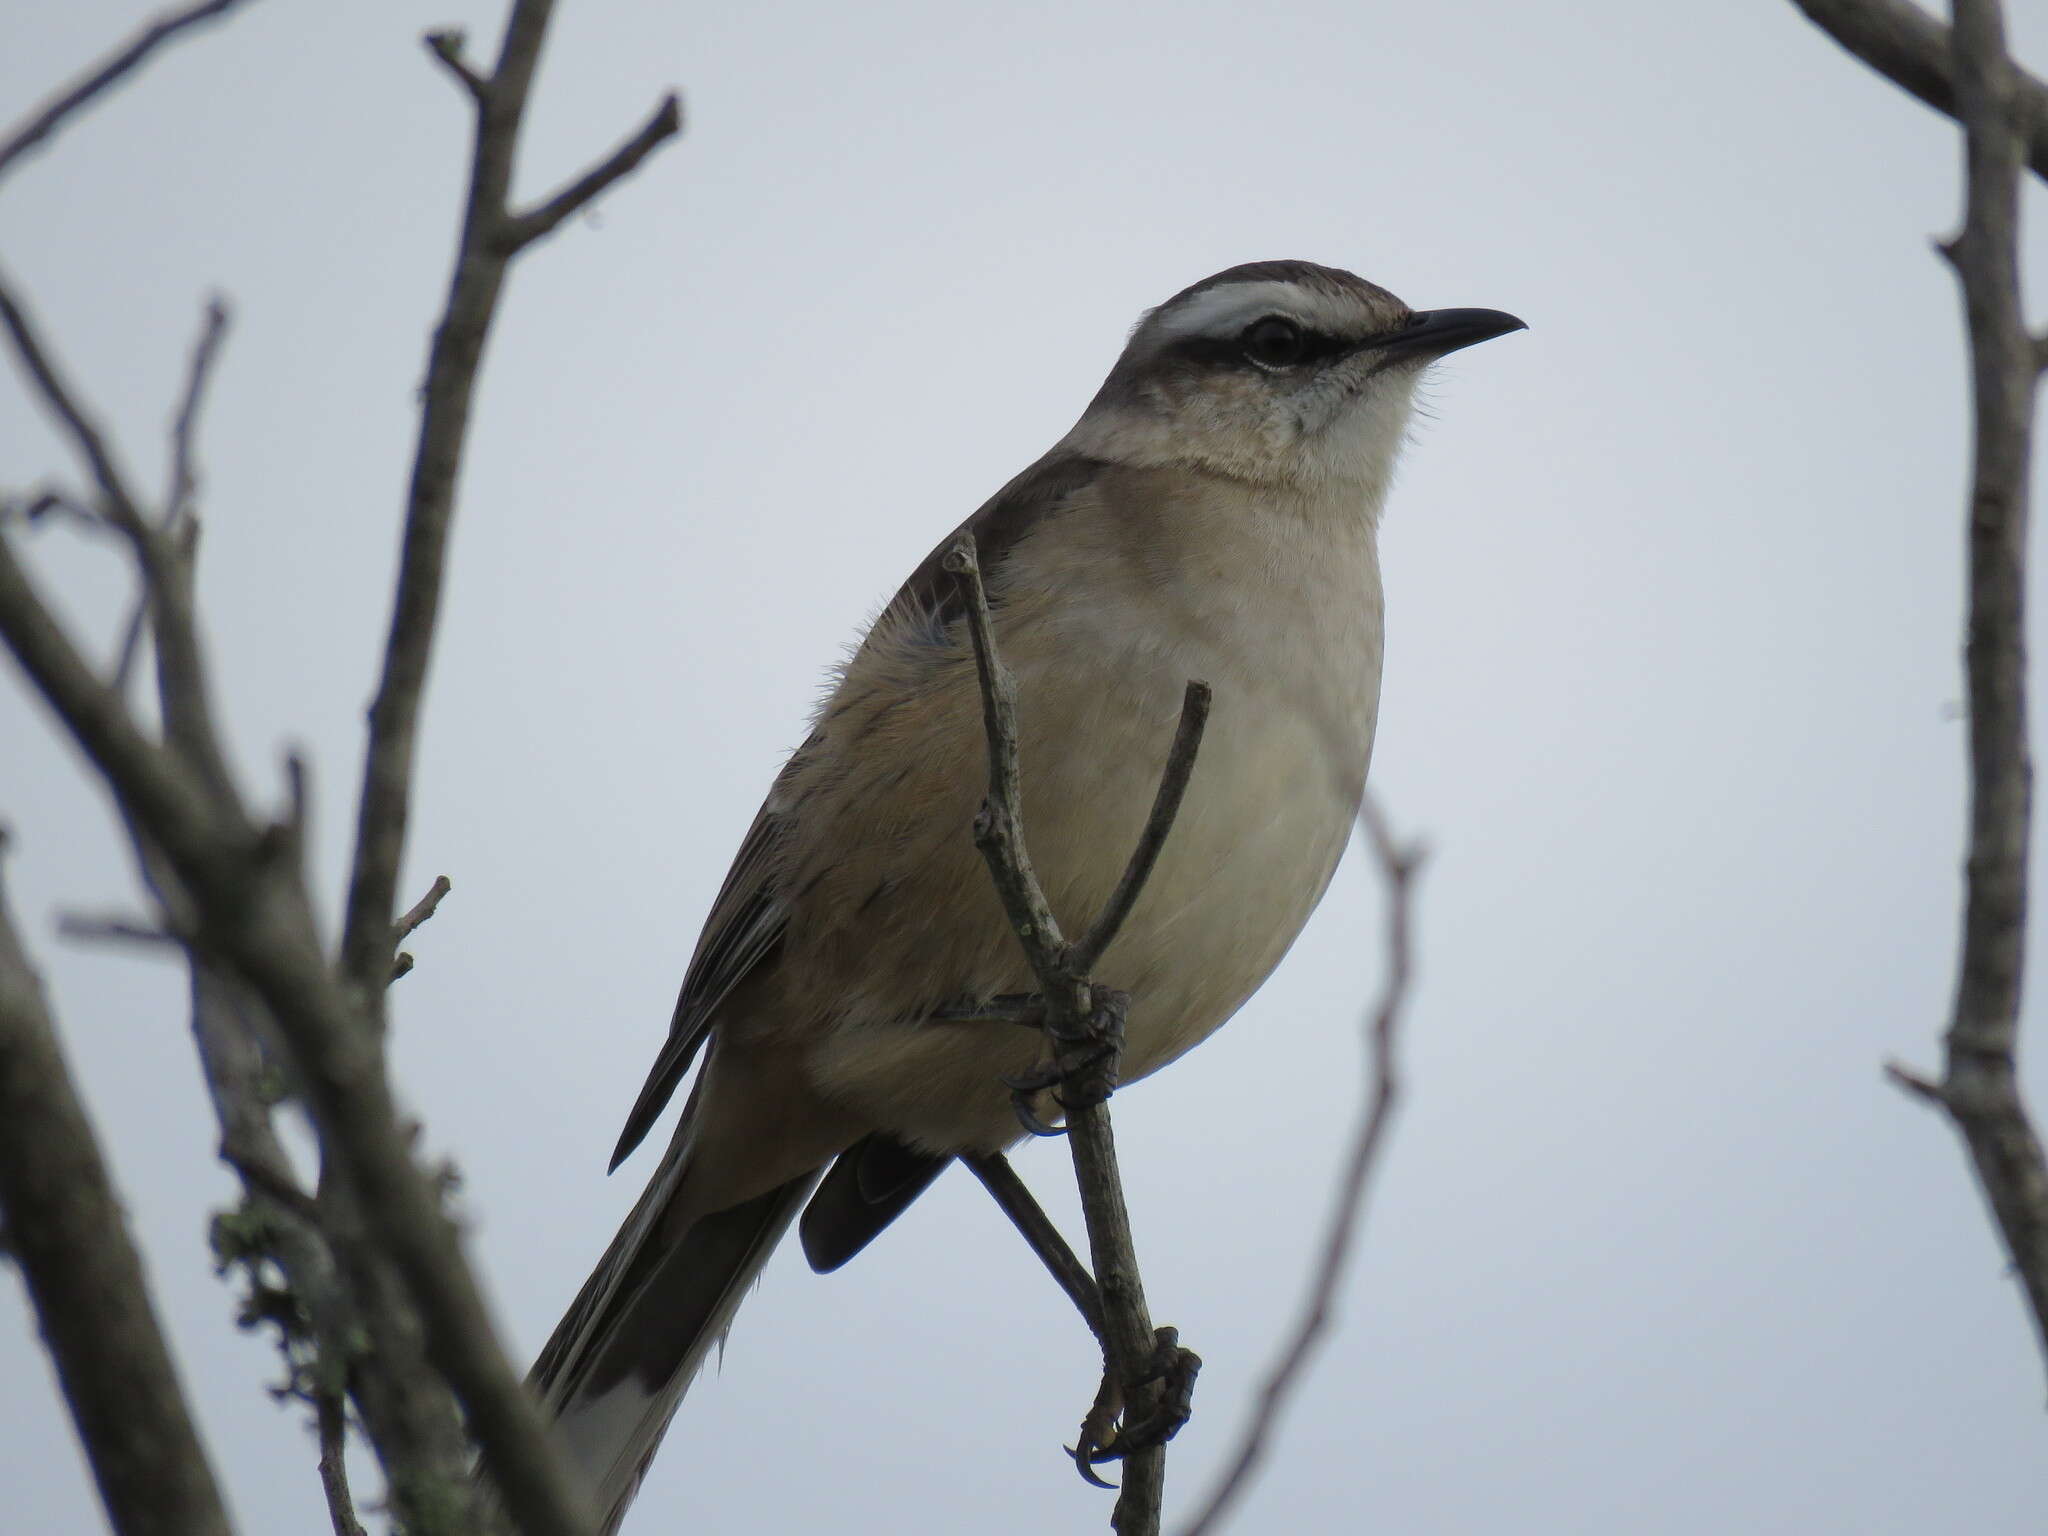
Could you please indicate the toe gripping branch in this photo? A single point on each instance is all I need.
(1083, 1064)
(1102, 1439)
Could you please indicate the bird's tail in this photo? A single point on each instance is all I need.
(621, 1359)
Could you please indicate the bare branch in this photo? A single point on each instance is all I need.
(87, 929)
(188, 715)
(185, 424)
(117, 502)
(536, 223)
(447, 47)
(1980, 1086)
(423, 909)
(237, 886)
(46, 502)
(1078, 1013)
(258, 917)
(490, 239)
(51, 115)
(65, 1228)
(1919, 1084)
(332, 1422)
(1912, 49)
(1967, 72)
(402, 962)
(1173, 784)
(1398, 865)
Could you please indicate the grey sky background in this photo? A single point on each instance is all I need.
(1674, 596)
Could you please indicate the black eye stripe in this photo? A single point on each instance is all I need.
(1229, 351)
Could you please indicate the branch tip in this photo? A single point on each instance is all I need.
(446, 48)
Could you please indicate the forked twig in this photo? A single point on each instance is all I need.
(1081, 1014)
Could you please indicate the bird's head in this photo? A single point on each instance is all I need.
(1277, 372)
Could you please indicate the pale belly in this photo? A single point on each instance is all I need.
(1268, 814)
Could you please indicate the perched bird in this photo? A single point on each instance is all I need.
(1212, 515)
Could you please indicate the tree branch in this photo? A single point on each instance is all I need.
(1912, 50)
(184, 480)
(1399, 866)
(1173, 784)
(251, 909)
(1967, 72)
(1080, 1014)
(65, 1228)
(491, 237)
(189, 716)
(234, 888)
(536, 223)
(51, 116)
(1980, 1085)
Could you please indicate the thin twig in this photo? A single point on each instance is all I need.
(1398, 865)
(490, 239)
(47, 502)
(88, 929)
(1912, 49)
(188, 716)
(422, 909)
(1173, 785)
(1075, 1011)
(446, 47)
(538, 222)
(117, 503)
(51, 115)
(66, 1230)
(332, 1422)
(178, 494)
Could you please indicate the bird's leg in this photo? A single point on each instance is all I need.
(1029, 1218)
(1100, 1439)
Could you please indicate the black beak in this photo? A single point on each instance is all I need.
(1436, 332)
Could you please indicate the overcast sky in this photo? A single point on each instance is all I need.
(1672, 672)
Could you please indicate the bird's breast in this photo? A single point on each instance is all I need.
(1102, 642)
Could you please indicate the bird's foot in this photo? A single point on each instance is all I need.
(1102, 1439)
(1082, 1070)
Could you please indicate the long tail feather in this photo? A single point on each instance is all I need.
(622, 1357)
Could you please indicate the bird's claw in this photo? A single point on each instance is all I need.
(1177, 1368)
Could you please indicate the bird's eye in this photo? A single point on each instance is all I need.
(1273, 342)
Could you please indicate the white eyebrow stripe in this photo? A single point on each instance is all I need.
(1226, 310)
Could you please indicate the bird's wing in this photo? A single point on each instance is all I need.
(746, 924)
(742, 932)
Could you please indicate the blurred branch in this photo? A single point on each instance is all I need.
(233, 886)
(66, 1229)
(539, 222)
(2004, 115)
(1398, 866)
(492, 235)
(332, 1423)
(1913, 50)
(48, 118)
(1980, 1084)
(421, 910)
(1147, 1375)
(184, 481)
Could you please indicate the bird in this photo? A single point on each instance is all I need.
(1212, 515)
